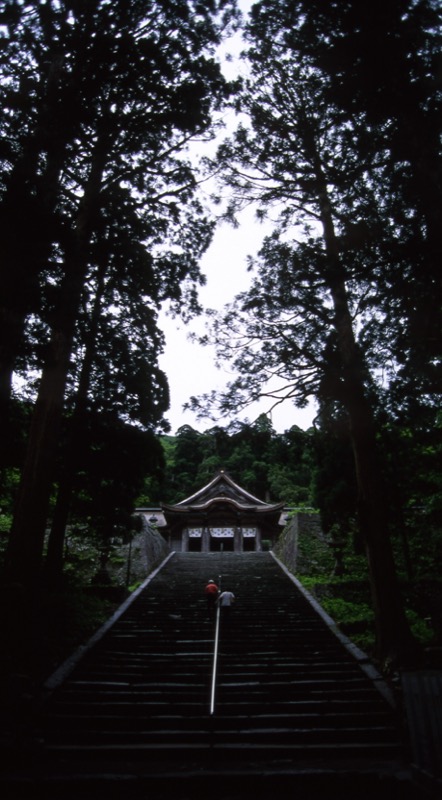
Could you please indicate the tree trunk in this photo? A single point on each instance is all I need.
(27, 224)
(23, 558)
(395, 644)
(25, 549)
(72, 455)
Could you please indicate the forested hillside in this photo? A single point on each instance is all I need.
(104, 218)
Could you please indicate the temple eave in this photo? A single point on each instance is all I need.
(222, 503)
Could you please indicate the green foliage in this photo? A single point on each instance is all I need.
(314, 555)
(347, 601)
(81, 556)
(347, 614)
(119, 457)
(339, 306)
(168, 444)
(134, 586)
(281, 486)
(347, 598)
(321, 105)
(10, 478)
(5, 523)
(70, 617)
(423, 632)
(269, 465)
(94, 160)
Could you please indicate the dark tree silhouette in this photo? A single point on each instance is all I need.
(133, 84)
(326, 308)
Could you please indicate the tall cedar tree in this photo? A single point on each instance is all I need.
(118, 336)
(383, 64)
(117, 90)
(315, 318)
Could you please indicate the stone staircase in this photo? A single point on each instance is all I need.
(293, 706)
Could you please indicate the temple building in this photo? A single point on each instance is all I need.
(220, 516)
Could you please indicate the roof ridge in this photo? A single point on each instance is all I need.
(222, 475)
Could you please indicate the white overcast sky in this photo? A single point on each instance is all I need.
(189, 367)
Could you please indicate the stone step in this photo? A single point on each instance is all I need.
(124, 718)
(227, 693)
(287, 688)
(262, 752)
(140, 706)
(190, 669)
(278, 737)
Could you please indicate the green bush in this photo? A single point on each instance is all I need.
(420, 628)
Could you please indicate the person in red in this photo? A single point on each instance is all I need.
(211, 591)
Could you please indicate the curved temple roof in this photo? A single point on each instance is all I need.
(222, 490)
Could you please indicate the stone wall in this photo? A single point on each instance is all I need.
(137, 560)
(302, 544)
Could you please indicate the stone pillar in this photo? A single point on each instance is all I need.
(258, 545)
(237, 540)
(185, 540)
(205, 540)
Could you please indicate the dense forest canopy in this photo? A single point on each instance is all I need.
(99, 102)
(344, 301)
(271, 465)
(102, 221)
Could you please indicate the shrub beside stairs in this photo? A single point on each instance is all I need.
(136, 713)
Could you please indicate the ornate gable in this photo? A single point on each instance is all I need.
(222, 509)
(222, 487)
